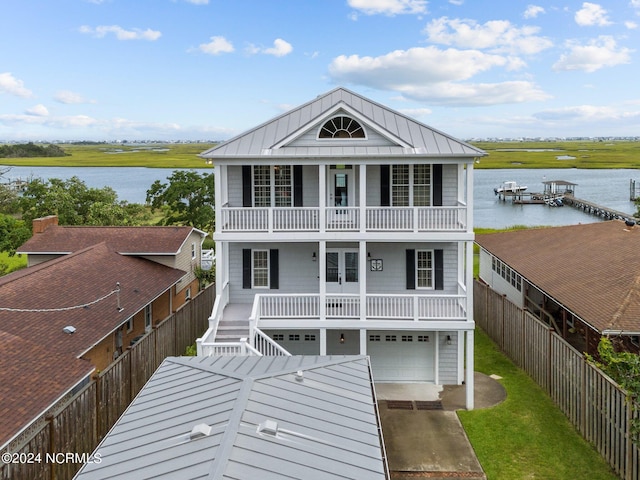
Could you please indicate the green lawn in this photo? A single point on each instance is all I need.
(526, 436)
(11, 263)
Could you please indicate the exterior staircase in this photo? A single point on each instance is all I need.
(234, 323)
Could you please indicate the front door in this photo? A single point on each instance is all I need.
(342, 270)
(340, 187)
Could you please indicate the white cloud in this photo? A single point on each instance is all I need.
(280, 48)
(533, 11)
(630, 25)
(198, 2)
(592, 14)
(389, 7)
(55, 122)
(120, 33)
(598, 53)
(495, 35)
(38, 110)
(432, 75)
(456, 2)
(13, 86)
(216, 46)
(69, 97)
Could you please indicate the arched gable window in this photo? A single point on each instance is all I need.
(341, 127)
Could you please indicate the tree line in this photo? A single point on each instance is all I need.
(28, 150)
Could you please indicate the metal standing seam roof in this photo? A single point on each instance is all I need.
(410, 137)
(265, 421)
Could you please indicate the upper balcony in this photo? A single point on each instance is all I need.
(343, 219)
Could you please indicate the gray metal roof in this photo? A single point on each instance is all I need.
(390, 133)
(326, 422)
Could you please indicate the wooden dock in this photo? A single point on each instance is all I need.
(598, 210)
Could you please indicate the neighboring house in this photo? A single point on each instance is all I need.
(87, 294)
(582, 280)
(344, 227)
(299, 417)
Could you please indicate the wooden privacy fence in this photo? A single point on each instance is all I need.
(58, 448)
(592, 401)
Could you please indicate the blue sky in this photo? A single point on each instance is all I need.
(209, 69)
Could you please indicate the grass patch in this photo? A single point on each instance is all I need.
(12, 263)
(526, 436)
(576, 154)
(170, 155)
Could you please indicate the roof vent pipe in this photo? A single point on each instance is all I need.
(268, 427)
(199, 431)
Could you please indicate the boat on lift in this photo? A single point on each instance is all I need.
(509, 187)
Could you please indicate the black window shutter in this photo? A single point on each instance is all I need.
(437, 184)
(246, 186)
(274, 269)
(297, 185)
(439, 269)
(246, 268)
(411, 269)
(385, 198)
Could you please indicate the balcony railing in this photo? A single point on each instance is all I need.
(376, 219)
(377, 307)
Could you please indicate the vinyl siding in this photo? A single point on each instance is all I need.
(298, 272)
(448, 362)
(392, 279)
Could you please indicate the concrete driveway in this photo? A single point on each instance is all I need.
(423, 435)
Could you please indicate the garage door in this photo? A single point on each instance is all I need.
(401, 356)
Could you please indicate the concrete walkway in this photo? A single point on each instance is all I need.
(423, 435)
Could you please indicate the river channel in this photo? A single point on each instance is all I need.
(605, 187)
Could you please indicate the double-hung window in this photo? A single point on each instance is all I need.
(272, 186)
(411, 185)
(424, 269)
(260, 270)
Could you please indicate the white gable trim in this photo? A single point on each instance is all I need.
(341, 106)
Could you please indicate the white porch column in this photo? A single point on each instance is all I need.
(323, 341)
(221, 258)
(362, 277)
(363, 197)
(469, 381)
(322, 197)
(322, 287)
(217, 197)
(469, 199)
(469, 279)
(363, 341)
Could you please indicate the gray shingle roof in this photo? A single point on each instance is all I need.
(405, 136)
(327, 426)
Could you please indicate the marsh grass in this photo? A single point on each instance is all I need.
(178, 155)
(586, 154)
(526, 436)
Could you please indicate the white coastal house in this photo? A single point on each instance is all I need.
(344, 227)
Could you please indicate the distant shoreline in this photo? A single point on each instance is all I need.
(585, 154)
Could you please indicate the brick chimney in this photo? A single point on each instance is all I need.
(41, 224)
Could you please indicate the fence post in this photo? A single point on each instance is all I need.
(628, 466)
(52, 446)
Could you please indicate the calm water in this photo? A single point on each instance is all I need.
(605, 187)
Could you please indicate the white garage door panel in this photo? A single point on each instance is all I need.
(401, 357)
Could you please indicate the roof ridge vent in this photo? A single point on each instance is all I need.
(199, 431)
(268, 427)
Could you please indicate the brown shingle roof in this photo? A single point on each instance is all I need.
(77, 279)
(31, 379)
(592, 269)
(126, 240)
(38, 361)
